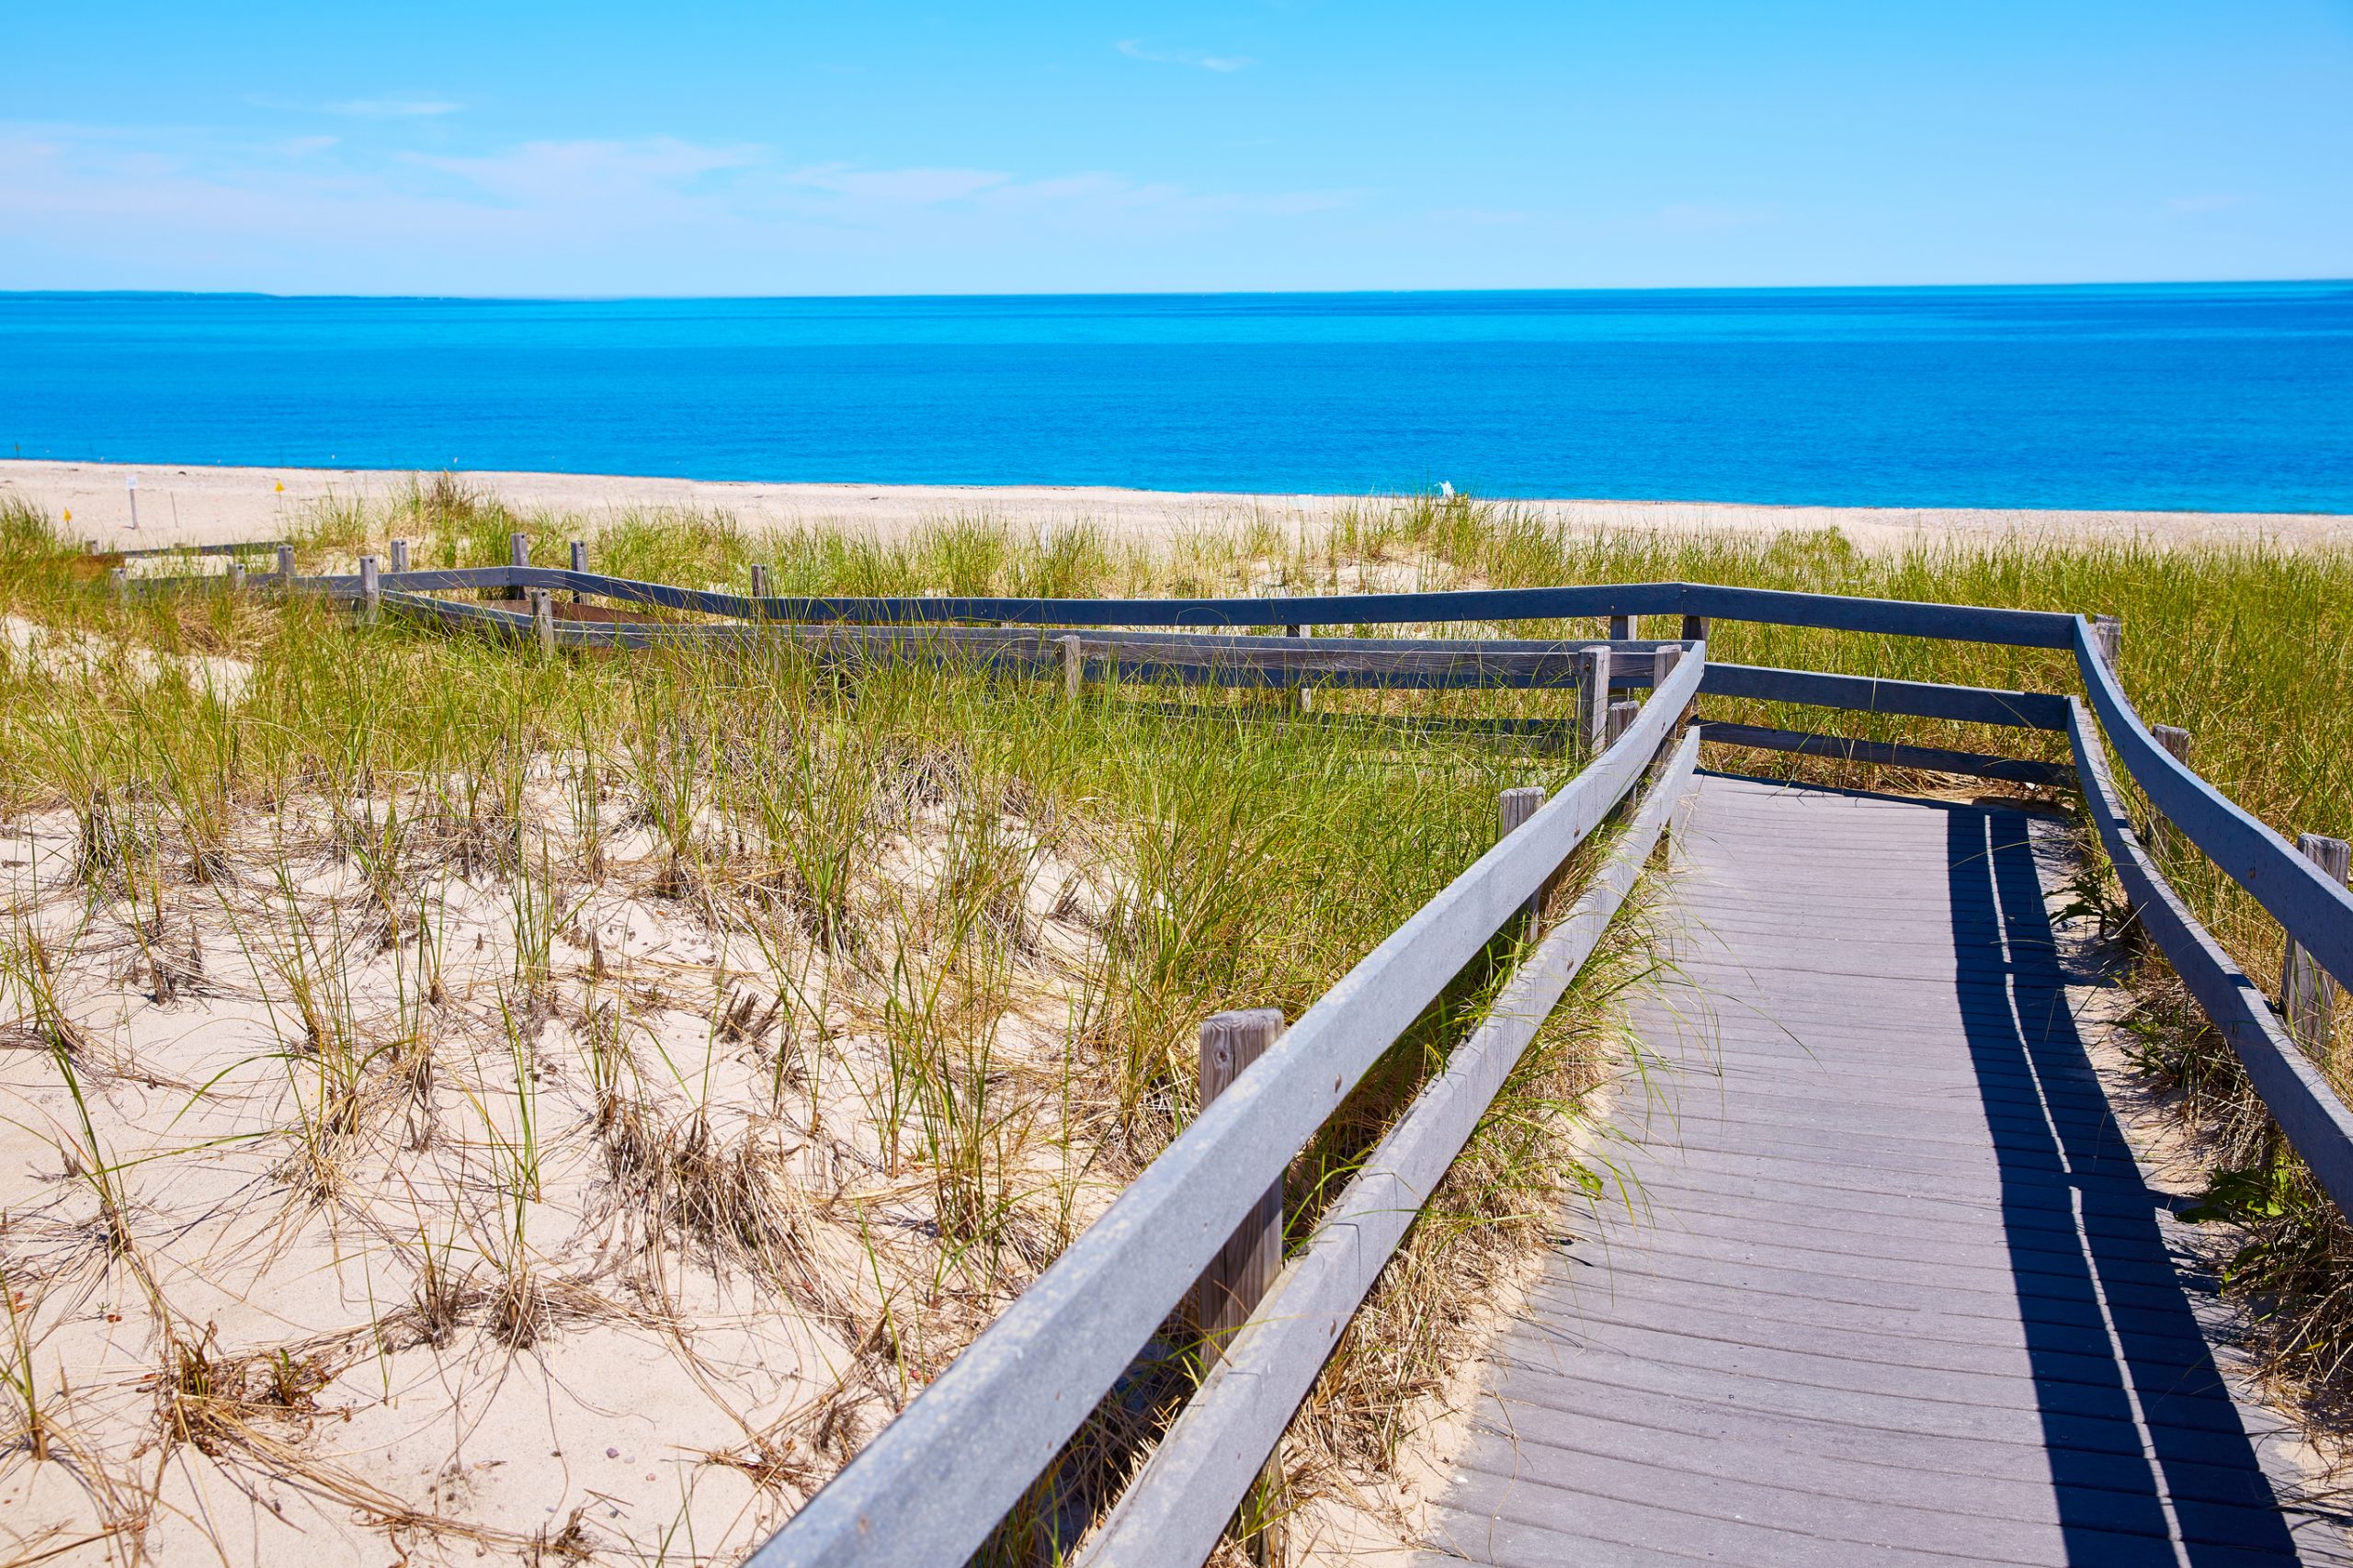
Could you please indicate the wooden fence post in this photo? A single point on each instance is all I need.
(1695, 628)
(400, 555)
(1514, 807)
(1306, 692)
(1664, 660)
(1073, 652)
(1230, 1288)
(759, 584)
(2307, 992)
(543, 620)
(1663, 663)
(2175, 739)
(1625, 628)
(371, 592)
(236, 576)
(1593, 697)
(285, 564)
(519, 554)
(1621, 717)
(2107, 636)
(118, 582)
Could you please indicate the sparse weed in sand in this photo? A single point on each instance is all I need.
(616, 1084)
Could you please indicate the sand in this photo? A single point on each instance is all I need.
(196, 504)
(307, 1348)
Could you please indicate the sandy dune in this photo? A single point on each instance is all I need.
(196, 504)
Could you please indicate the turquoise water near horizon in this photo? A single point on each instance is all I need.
(2222, 397)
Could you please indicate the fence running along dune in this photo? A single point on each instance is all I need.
(934, 1483)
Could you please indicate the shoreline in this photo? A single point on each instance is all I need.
(198, 504)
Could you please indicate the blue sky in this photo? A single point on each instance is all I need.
(844, 148)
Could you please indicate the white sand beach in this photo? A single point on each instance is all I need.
(197, 505)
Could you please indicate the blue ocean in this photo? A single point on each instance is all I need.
(2236, 397)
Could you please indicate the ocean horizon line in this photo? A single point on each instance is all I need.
(624, 297)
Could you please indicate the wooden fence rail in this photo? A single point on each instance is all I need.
(2311, 1117)
(2315, 910)
(1700, 601)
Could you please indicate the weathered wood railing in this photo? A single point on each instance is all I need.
(937, 1481)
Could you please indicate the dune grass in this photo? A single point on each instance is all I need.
(579, 995)
(558, 1002)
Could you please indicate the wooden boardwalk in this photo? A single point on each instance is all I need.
(1897, 1292)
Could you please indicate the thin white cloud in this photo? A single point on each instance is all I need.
(416, 105)
(1137, 48)
(548, 174)
(392, 108)
(913, 187)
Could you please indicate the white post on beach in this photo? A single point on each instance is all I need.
(1663, 663)
(1593, 697)
(1513, 808)
(2107, 636)
(2307, 992)
(1230, 1288)
(131, 484)
(2175, 739)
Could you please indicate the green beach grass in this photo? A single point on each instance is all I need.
(951, 936)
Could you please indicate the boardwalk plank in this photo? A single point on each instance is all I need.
(1883, 1282)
